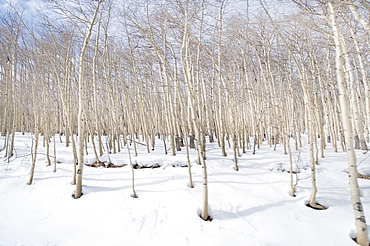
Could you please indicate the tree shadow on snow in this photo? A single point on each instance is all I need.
(228, 215)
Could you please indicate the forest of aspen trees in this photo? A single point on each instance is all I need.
(187, 72)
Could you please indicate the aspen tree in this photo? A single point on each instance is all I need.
(361, 227)
(12, 34)
(302, 70)
(35, 141)
(168, 105)
(191, 185)
(81, 103)
(14, 101)
(366, 87)
(137, 84)
(196, 118)
(292, 185)
(34, 151)
(318, 101)
(357, 124)
(45, 119)
(55, 154)
(199, 74)
(95, 98)
(332, 106)
(358, 17)
(247, 92)
(328, 107)
(221, 84)
(62, 47)
(133, 195)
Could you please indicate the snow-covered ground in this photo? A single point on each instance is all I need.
(249, 207)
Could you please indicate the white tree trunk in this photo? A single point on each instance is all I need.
(81, 106)
(360, 221)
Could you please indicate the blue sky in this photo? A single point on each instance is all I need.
(30, 7)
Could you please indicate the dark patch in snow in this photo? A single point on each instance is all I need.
(179, 165)
(105, 164)
(138, 166)
(278, 167)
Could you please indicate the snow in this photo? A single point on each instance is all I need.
(249, 207)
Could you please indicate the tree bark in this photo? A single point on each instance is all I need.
(360, 221)
(81, 105)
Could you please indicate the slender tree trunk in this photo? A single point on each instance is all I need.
(235, 152)
(75, 160)
(313, 203)
(133, 195)
(189, 162)
(367, 90)
(292, 186)
(55, 155)
(47, 142)
(353, 99)
(195, 116)
(81, 105)
(34, 156)
(360, 221)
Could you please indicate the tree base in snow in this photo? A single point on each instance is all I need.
(134, 195)
(316, 206)
(73, 195)
(209, 218)
(355, 239)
